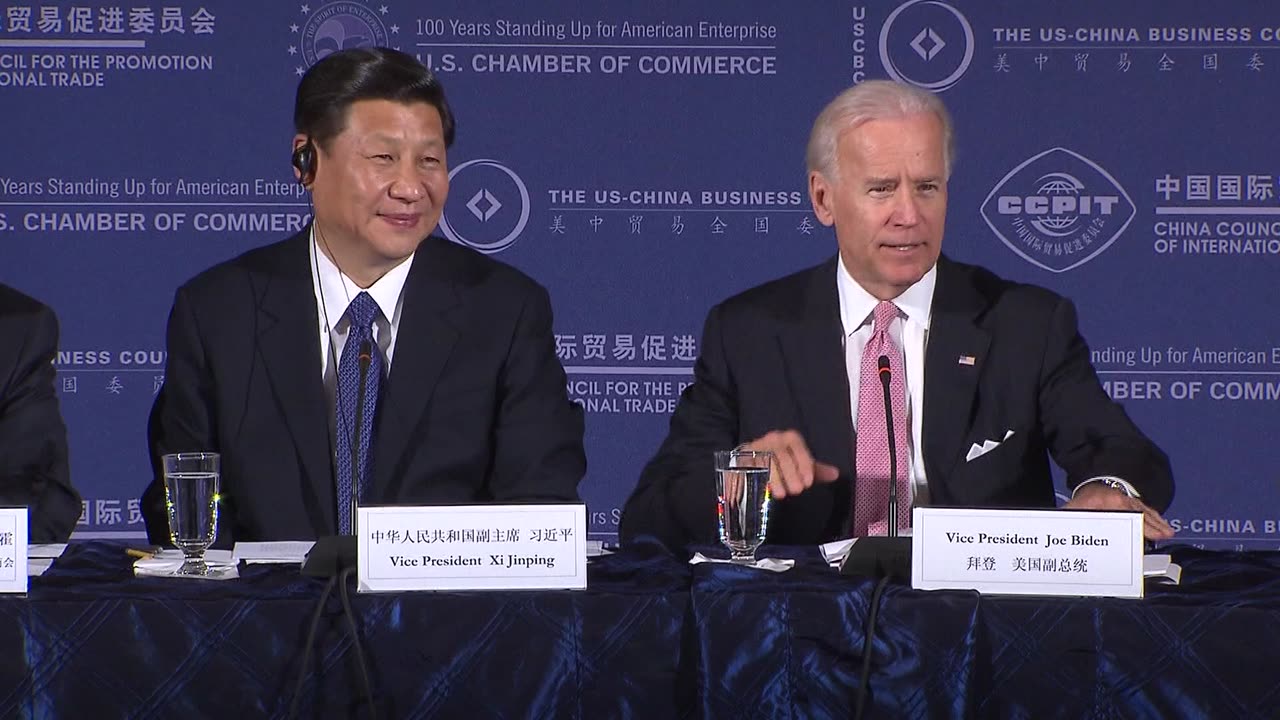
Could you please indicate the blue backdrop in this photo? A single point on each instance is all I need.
(645, 161)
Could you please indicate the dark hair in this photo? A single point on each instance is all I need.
(333, 84)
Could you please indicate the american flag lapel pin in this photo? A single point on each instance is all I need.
(967, 360)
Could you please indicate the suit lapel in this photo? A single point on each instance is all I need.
(813, 354)
(814, 358)
(954, 360)
(428, 331)
(288, 341)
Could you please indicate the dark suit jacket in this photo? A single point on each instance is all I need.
(772, 359)
(33, 441)
(474, 410)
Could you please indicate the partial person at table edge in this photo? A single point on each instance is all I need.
(365, 360)
(35, 469)
(792, 366)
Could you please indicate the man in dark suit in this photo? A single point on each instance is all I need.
(989, 377)
(33, 441)
(279, 358)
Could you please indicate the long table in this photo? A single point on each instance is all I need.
(651, 637)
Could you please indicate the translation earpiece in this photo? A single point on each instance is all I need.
(304, 161)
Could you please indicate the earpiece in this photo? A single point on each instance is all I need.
(304, 161)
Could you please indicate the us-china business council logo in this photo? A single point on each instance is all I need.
(926, 43)
(488, 206)
(1058, 210)
(333, 26)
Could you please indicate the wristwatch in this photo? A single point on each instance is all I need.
(1116, 483)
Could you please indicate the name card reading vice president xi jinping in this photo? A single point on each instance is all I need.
(1027, 552)
(472, 547)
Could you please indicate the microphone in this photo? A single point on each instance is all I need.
(887, 556)
(885, 376)
(364, 360)
(334, 554)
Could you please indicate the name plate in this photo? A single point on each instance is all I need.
(1027, 552)
(471, 547)
(13, 550)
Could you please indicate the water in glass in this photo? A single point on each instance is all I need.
(191, 498)
(743, 506)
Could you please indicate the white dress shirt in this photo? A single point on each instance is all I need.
(911, 333)
(334, 292)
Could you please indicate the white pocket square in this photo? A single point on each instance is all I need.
(977, 451)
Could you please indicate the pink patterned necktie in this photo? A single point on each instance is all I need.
(871, 463)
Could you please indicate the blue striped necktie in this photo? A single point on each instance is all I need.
(356, 410)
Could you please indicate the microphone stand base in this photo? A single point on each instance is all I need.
(879, 556)
(331, 555)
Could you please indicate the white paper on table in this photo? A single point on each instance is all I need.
(770, 564)
(40, 557)
(286, 552)
(51, 550)
(1162, 569)
(166, 562)
(596, 548)
(836, 551)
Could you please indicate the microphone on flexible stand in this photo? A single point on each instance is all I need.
(334, 553)
(893, 448)
(334, 557)
(887, 556)
(364, 360)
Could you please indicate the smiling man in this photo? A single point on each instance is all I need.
(365, 360)
(987, 378)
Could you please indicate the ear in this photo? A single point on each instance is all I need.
(821, 194)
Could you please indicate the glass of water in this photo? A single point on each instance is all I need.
(742, 486)
(191, 497)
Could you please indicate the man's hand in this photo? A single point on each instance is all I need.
(1096, 496)
(794, 469)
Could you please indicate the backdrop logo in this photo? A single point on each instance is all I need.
(336, 26)
(926, 43)
(1058, 210)
(495, 210)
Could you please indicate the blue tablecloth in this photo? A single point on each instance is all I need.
(790, 646)
(652, 637)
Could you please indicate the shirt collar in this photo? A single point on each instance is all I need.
(856, 304)
(338, 290)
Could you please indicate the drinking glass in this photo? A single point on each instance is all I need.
(191, 497)
(742, 487)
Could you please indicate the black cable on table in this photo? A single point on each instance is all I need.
(864, 683)
(311, 640)
(355, 637)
